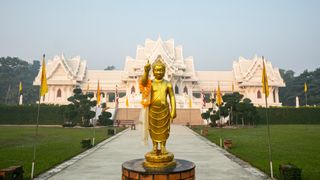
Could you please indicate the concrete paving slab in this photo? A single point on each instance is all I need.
(104, 161)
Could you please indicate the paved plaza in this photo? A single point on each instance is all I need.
(104, 160)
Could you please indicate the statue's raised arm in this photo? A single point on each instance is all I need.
(145, 76)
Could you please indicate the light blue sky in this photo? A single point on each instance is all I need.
(214, 32)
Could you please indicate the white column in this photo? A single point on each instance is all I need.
(277, 95)
(137, 87)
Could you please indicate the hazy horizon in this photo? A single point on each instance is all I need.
(215, 33)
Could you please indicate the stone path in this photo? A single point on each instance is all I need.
(104, 161)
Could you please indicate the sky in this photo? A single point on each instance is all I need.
(215, 33)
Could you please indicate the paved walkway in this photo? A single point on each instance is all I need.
(104, 161)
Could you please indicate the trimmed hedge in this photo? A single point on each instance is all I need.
(27, 114)
(290, 115)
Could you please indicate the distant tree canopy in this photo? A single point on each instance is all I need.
(295, 87)
(12, 71)
(109, 68)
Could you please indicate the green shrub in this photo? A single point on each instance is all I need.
(69, 124)
(289, 172)
(290, 115)
(104, 119)
(27, 114)
(86, 143)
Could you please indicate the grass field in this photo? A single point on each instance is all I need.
(297, 144)
(54, 146)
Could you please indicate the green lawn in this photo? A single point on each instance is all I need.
(54, 146)
(297, 144)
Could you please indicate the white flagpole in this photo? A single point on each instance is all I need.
(35, 139)
(20, 99)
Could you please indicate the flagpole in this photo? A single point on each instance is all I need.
(305, 94)
(94, 129)
(95, 117)
(266, 94)
(190, 111)
(269, 140)
(220, 126)
(42, 91)
(35, 139)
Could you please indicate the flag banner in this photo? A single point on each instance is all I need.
(98, 94)
(44, 85)
(20, 88)
(203, 98)
(190, 102)
(219, 97)
(265, 86)
(305, 87)
(87, 90)
(232, 87)
(127, 102)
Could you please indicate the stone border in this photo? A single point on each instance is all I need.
(245, 165)
(55, 170)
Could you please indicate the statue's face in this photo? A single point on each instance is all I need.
(158, 72)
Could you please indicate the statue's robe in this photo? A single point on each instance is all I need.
(159, 112)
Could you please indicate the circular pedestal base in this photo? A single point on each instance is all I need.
(134, 170)
(159, 161)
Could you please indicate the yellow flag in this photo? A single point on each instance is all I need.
(190, 102)
(20, 87)
(87, 87)
(219, 97)
(44, 85)
(232, 87)
(98, 94)
(127, 101)
(305, 87)
(265, 86)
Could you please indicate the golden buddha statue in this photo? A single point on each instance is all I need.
(159, 114)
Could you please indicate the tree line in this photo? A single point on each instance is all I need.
(13, 71)
(295, 87)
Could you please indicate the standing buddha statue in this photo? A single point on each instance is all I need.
(159, 115)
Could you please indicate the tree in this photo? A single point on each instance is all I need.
(287, 75)
(104, 118)
(247, 111)
(70, 113)
(12, 71)
(83, 104)
(295, 85)
(230, 103)
(206, 115)
(109, 68)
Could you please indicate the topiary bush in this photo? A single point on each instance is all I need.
(86, 143)
(104, 119)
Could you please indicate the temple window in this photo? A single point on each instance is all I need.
(102, 94)
(259, 94)
(185, 90)
(176, 89)
(133, 89)
(59, 93)
(122, 94)
(196, 94)
(274, 95)
(111, 97)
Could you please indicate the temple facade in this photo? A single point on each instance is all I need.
(191, 87)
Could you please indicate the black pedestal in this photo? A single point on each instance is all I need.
(134, 170)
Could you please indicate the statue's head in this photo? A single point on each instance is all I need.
(158, 68)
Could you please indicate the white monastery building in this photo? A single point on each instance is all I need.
(64, 74)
